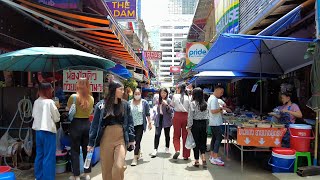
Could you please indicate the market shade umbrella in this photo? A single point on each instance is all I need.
(48, 59)
(314, 101)
(255, 54)
(121, 71)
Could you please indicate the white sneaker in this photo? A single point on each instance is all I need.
(134, 162)
(167, 150)
(88, 177)
(216, 161)
(154, 154)
(74, 178)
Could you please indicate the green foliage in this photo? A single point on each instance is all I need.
(130, 83)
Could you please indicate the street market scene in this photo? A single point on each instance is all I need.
(170, 89)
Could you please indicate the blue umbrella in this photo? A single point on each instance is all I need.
(48, 59)
(121, 71)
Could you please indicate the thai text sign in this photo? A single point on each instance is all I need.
(123, 9)
(70, 78)
(175, 69)
(267, 137)
(227, 16)
(153, 55)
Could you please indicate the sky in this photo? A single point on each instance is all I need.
(153, 11)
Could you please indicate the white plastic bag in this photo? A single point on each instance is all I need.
(190, 144)
(59, 135)
(28, 143)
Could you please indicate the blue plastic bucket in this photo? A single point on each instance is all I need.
(282, 163)
(7, 176)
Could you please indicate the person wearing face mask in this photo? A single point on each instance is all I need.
(289, 112)
(141, 119)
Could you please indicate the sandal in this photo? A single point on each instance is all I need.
(196, 164)
(204, 164)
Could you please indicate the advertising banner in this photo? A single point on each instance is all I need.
(153, 55)
(227, 16)
(196, 51)
(267, 137)
(123, 10)
(70, 78)
(175, 69)
(63, 4)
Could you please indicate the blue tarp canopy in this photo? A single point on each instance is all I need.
(211, 77)
(255, 54)
(121, 71)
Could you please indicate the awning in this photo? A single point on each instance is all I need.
(96, 33)
(256, 54)
(222, 76)
(121, 71)
(283, 23)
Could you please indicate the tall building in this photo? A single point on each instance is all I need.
(173, 32)
(182, 6)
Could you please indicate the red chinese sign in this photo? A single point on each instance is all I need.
(175, 69)
(70, 78)
(153, 55)
(267, 137)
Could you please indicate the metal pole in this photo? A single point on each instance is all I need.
(261, 90)
(315, 159)
(241, 158)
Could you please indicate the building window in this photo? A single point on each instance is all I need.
(166, 61)
(166, 50)
(166, 45)
(178, 35)
(165, 35)
(177, 61)
(178, 44)
(181, 27)
(165, 65)
(166, 39)
(167, 55)
(177, 50)
(165, 27)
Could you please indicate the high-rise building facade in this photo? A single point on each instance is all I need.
(173, 32)
(182, 6)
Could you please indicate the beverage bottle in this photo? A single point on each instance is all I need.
(88, 160)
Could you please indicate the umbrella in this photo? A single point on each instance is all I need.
(314, 101)
(255, 54)
(49, 59)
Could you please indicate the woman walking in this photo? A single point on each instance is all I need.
(80, 126)
(45, 114)
(163, 120)
(181, 105)
(141, 117)
(112, 128)
(197, 125)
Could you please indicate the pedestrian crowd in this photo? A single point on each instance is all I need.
(118, 126)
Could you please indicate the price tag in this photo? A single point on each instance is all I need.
(254, 88)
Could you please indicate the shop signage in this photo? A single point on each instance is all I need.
(125, 10)
(227, 16)
(196, 51)
(153, 55)
(63, 4)
(267, 137)
(70, 78)
(175, 69)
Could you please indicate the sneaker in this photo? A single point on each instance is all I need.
(134, 162)
(74, 178)
(217, 161)
(154, 154)
(167, 151)
(176, 155)
(88, 177)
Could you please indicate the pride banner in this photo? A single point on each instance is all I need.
(227, 16)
